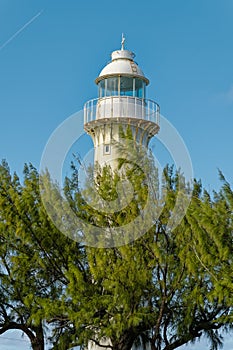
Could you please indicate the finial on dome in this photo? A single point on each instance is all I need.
(122, 42)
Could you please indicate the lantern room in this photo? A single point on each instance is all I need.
(121, 103)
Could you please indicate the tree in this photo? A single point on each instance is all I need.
(211, 220)
(158, 288)
(33, 257)
(165, 289)
(14, 314)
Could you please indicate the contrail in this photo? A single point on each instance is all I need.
(21, 29)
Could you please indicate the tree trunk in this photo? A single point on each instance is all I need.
(125, 343)
(38, 341)
(35, 334)
(37, 345)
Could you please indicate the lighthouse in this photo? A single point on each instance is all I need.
(121, 108)
(121, 105)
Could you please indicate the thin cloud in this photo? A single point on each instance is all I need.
(20, 30)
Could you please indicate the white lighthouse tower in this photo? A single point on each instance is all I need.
(121, 103)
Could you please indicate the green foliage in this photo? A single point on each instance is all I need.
(164, 289)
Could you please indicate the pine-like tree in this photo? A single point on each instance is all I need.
(164, 289)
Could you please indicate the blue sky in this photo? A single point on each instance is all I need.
(51, 52)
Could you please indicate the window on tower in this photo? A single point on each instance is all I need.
(107, 149)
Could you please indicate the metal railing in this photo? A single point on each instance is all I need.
(121, 107)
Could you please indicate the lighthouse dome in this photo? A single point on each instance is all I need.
(122, 64)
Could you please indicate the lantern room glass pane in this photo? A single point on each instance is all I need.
(108, 87)
(101, 86)
(140, 88)
(126, 86)
(112, 86)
